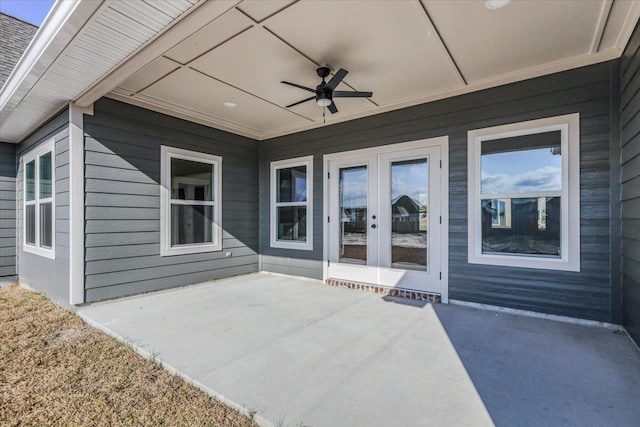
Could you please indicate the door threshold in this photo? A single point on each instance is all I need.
(385, 291)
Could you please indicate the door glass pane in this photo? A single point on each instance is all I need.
(292, 223)
(292, 184)
(30, 181)
(30, 224)
(353, 215)
(46, 223)
(409, 204)
(191, 180)
(528, 226)
(191, 224)
(45, 176)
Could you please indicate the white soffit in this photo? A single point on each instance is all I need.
(89, 47)
(520, 36)
(406, 52)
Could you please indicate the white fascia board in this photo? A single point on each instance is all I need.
(60, 26)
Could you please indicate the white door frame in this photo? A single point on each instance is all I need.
(443, 143)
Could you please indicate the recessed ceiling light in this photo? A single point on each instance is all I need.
(230, 104)
(496, 4)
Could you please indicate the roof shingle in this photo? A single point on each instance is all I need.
(15, 36)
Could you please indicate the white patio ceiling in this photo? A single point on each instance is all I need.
(406, 52)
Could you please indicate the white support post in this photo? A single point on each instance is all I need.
(76, 202)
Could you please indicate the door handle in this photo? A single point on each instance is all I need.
(373, 226)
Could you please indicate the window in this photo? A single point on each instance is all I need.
(39, 206)
(191, 203)
(291, 203)
(524, 199)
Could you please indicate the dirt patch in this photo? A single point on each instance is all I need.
(57, 370)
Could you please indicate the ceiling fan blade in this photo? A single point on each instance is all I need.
(299, 86)
(300, 102)
(349, 94)
(336, 79)
(332, 107)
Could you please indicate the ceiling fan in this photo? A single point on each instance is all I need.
(325, 91)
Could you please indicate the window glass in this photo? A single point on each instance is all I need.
(30, 224)
(191, 180)
(30, 181)
(409, 214)
(291, 184)
(522, 164)
(45, 176)
(521, 226)
(292, 223)
(191, 224)
(46, 225)
(353, 214)
(515, 165)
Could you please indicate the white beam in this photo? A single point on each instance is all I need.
(76, 202)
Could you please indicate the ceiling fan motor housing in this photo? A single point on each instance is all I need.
(325, 91)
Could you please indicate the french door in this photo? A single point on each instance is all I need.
(384, 216)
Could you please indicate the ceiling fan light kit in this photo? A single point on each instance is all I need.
(325, 92)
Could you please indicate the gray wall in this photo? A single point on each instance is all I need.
(122, 213)
(7, 211)
(587, 294)
(630, 161)
(48, 276)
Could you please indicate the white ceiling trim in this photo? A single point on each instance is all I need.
(204, 119)
(184, 113)
(602, 22)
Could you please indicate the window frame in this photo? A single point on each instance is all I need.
(569, 127)
(34, 156)
(306, 245)
(168, 153)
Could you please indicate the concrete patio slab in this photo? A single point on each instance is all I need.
(302, 353)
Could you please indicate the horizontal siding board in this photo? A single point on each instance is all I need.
(631, 209)
(122, 193)
(136, 262)
(630, 191)
(631, 169)
(8, 260)
(135, 275)
(108, 292)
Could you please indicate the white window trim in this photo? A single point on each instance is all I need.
(42, 149)
(167, 153)
(285, 164)
(569, 127)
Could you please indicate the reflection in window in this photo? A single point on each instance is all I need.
(501, 213)
(409, 201)
(353, 214)
(525, 234)
(521, 192)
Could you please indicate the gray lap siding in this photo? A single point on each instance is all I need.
(122, 202)
(630, 191)
(586, 90)
(49, 276)
(8, 258)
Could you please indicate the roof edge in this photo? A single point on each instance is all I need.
(62, 23)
